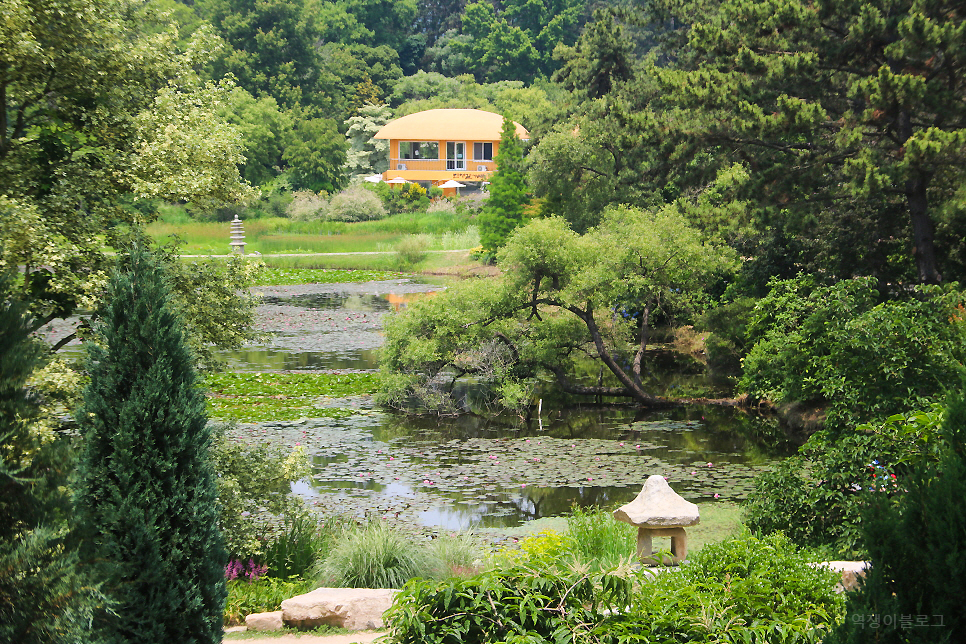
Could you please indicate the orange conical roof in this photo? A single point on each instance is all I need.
(448, 125)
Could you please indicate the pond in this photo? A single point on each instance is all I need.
(470, 471)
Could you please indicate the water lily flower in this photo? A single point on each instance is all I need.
(717, 496)
(710, 464)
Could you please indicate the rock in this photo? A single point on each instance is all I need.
(265, 621)
(353, 608)
(658, 506)
(851, 571)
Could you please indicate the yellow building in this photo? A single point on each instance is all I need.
(446, 144)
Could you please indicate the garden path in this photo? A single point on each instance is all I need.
(362, 637)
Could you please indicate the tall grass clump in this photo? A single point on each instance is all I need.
(457, 555)
(376, 556)
(460, 240)
(412, 250)
(303, 543)
(595, 538)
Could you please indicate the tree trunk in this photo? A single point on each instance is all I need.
(917, 202)
(635, 390)
(923, 244)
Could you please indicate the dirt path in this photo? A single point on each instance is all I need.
(362, 637)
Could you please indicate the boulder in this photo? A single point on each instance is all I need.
(264, 621)
(851, 572)
(355, 609)
(658, 506)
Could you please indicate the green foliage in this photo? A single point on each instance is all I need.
(851, 160)
(212, 298)
(376, 556)
(254, 493)
(43, 594)
(516, 605)
(503, 210)
(125, 115)
(817, 497)
(412, 250)
(743, 590)
(598, 540)
(356, 204)
(263, 595)
(264, 129)
(317, 155)
(559, 293)
(367, 155)
(601, 59)
(915, 551)
(529, 105)
(147, 496)
(839, 348)
(304, 542)
(728, 344)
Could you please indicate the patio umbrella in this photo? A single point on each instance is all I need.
(376, 178)
(452, 184)
(397, 181)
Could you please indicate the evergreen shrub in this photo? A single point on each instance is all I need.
(147, 497)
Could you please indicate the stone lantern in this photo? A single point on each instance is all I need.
(658, 511)
(237, 236)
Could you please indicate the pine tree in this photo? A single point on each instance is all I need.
(43, 597)
(147, 498)
(508, 191)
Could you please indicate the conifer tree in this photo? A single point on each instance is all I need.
(147, 497)
(508, 191)
(43, 598)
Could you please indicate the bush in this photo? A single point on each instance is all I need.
(817, 496)
(837, 347)
(743, 590)
(412, 249)
(254, 494)
(916, 551)
(728, 343)
(308, 206)
(376, 556)
(356, 204)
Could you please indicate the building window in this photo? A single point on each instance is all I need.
(418, 149)
(482, 151)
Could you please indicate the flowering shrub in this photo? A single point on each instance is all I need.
(816, 497)
(252, 572)
(356, 204)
